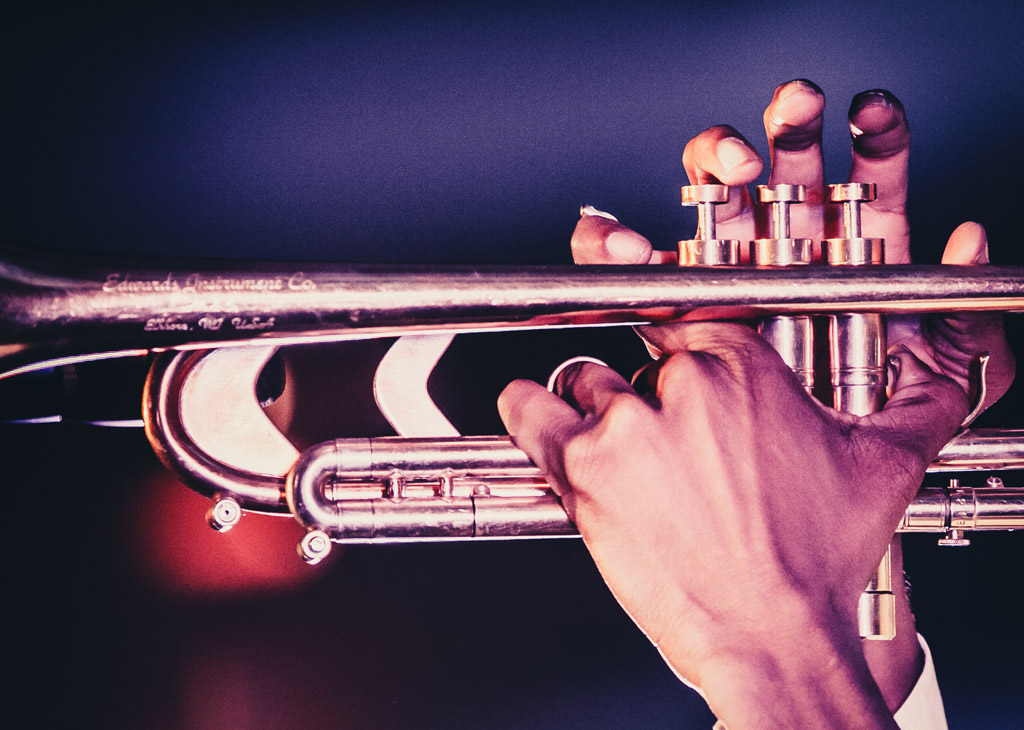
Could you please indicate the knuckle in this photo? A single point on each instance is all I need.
(580, 459)
(624, 411)
(681, 370)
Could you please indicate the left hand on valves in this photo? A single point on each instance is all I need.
(880, 154)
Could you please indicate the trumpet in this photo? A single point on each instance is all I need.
(214, 326)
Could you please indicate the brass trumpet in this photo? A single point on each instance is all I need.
(215, 325)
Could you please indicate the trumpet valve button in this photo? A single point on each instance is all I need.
(706, 249)
(779, 198)
(852, 192)
(851, 195)
(782, 193)
(709, 252)
(696, 194)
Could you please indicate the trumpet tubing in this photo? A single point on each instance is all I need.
(79, 310)
(402, 490)
(428, 489)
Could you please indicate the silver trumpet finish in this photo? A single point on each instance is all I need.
(75, 310)
(220, 322)
(857, 348)
(410, 490)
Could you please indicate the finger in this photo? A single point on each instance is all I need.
(881, 147)
(720, 155)
(599, 238)
(793, 122)
(591, 387)
(701, 336)
(540, 423)
(967, 245)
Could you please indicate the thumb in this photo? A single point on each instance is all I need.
(924, 409)
(968, 244)
(599, 238)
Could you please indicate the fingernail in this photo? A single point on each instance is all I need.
(586, 210)
(878, 124)
(732, 153)
(894, 368)
(796, 115)
(644, 380)
(800, 84)
(793, 90)
(628, 247)
(874, 112)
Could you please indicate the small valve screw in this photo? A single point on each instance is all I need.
(954, 538)
(315, 546)
(224, 514)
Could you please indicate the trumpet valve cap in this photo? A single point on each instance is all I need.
(705, 197)
(709, 252)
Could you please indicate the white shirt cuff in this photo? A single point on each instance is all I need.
(923, 710)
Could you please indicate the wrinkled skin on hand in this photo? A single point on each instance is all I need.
(948, 345)
(735, 518)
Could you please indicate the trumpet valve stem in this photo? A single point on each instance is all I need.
(781, 249)
(791, 336)
(779, 198)
(852, 248)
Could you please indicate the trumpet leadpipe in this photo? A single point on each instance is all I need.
(52, 311)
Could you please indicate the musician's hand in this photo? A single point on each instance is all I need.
(735, 518)
(881, 147)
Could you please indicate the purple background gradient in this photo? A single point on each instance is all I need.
(462, 133)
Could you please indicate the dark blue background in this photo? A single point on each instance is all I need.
(461, 133)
